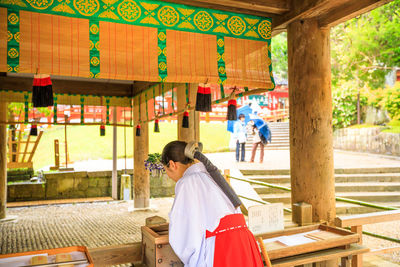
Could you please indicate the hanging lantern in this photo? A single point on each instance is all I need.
(185, 120)
(33, 130)
(156, 127)
(102, 130)
(232, 114)
(42, 91)
(138, 130)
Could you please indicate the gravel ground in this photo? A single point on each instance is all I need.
(391, 229)
(91, 225)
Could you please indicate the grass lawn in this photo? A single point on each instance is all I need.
(85, 142)
(392, 127)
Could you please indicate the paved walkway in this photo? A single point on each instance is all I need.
(273, 159)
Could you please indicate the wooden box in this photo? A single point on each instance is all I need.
(322, 237)
(156, 248)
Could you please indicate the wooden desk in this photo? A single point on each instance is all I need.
(323, 255)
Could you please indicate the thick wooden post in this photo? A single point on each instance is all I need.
(311, 151)
(141, 150)
(3, 160)
(193, 132)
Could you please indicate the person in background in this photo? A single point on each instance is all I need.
(257, 141)
(240, 134)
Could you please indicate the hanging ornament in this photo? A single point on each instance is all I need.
(102, 130)
(138, 130)
(33, 131)
(185, 120)
(232, 114)
(203, 98)
(42, 91)
(156, 126)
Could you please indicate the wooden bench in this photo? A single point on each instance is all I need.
(355, 222)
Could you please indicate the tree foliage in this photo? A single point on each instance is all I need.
(280, 56)
(367, 47)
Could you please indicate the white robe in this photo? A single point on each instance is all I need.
(198, 206)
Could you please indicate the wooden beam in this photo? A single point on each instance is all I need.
(140, 154)
(69, 86)
(369, 218)
(120, 254)
(267, 8)
(311, 150)
(348, 11)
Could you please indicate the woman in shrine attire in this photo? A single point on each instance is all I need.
(205, 229)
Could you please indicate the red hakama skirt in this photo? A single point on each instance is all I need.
(235, 245)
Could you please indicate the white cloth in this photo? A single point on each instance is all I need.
(240, 131)
(198, 206)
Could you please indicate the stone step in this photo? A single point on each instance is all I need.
(339, 178)
(342, 187)
(337, 171)
(363, 196)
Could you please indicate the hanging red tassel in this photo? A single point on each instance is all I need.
(42, 91)
(203, 99)
(207, 99)
(156, 127)
(200, 98)
(33, 130)
(138, 130)
(232, 114)
(102, 130)
(185, 120)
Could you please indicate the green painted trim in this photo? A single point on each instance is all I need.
(108, 111)
(26, 107)
(271, 75)
(162, 54)
(94, 53)
(221, 63)
(157, 14)
(13, 37)
(82, 110)
(55, 109)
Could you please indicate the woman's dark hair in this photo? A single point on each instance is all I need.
(241, 116)
(175, 151)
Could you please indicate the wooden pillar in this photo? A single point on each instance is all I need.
(3, 160)
(193, 132)
(141, 176)
(114, 176)
(311, 151)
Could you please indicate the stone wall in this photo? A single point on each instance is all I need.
(370, 140)
(64, 185)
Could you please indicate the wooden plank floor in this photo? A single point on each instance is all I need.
(57, 201)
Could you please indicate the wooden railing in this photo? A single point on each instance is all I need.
(356, 222)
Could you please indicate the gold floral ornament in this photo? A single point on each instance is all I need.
(91, 45)
(162, 66)
(87, 7)
(16, 68)
(16, 37)
(220, 23)
(94, 29)
(162, 36)
(168, 16)
(220, 42)
(9, 36)
(236, 25)
(13, 53)
(40, 4)
(13, 18)
(9, 68)
(186, 19)
(203, 21)
(129, 10)
(221, 70)
(95, 61)
(264, 29)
